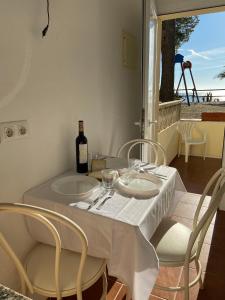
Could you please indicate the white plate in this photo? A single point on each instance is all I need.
(74, 185)
(139, 185)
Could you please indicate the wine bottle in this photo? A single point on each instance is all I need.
(81, 150)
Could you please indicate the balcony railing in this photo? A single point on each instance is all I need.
(169, 113)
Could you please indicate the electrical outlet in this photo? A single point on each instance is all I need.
(10, 131)
(22, 129)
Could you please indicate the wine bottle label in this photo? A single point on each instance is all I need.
(83, 153)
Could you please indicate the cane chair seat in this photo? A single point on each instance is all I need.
(171, 240)
(52, 271)
(41, 271)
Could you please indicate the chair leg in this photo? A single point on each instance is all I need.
(186, 283)
(179, 148)
(23, 287)
(204, 150)
(186, 152)
(200, 280)
(104, 286)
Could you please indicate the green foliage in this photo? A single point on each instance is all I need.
(221, 75)
(183, 29)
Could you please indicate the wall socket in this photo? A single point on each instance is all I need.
(10, 131)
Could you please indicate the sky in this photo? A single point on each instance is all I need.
(206, 50)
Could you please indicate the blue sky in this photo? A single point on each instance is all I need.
(206, 51)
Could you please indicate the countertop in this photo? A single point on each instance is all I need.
(9, 294)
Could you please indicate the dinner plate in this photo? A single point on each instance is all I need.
(75, 185)
(139, 185)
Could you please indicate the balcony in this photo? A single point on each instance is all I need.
(169, 116)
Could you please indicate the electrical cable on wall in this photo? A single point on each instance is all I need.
(44, 31)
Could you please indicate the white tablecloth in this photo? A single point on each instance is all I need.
(119, 232)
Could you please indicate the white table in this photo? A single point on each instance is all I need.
(119, 232)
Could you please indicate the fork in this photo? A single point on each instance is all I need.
(111, 193)
(158, 175)
(102, 194)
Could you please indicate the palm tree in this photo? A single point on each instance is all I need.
(221, 75)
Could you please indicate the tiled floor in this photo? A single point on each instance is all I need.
(195, 175)
(184, 214)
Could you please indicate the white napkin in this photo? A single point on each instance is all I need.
(80, 204)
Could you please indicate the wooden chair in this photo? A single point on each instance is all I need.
(176, 245)
(52, 271)
(185, 130)
(156, 147)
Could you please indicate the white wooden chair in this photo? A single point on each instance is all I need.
(176, 245)
(157, 149)
(50, 270)
(185, 130)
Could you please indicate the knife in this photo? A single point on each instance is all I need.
(102, 194)
(111, 193)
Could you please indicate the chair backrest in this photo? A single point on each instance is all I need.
(157, 148)
(185, 129)
(46, 217)
(201, 223)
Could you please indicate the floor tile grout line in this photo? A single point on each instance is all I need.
(160, 298)
(117, 294)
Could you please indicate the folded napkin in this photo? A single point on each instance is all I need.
(81, 204)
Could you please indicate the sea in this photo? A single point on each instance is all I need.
(217, 99)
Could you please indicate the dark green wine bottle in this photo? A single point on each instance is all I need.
(81, 150)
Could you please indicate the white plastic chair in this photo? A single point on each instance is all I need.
(176, 245)
(157, 148)
(185, 130)
(52, 271)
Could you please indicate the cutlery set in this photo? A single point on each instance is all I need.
(111, 193)
(145, 168)
(95, 201)
(152, 170)
(102, 194)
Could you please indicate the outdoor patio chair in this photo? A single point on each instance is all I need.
(159, 152)
(176, 245)
(51, 271)
(185, 130)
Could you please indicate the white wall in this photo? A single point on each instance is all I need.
(74, 73)
(168, 138)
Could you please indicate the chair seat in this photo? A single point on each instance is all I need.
(41, 271)
(195, 141)
(170, 241)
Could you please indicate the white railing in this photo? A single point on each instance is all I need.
(169, 113)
